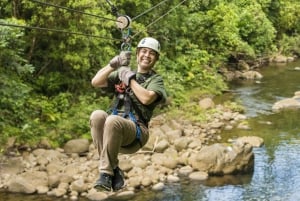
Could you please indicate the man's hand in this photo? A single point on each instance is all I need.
(123, 59)
(125, 75)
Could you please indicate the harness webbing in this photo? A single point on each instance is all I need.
(123, 95)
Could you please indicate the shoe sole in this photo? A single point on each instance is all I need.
(101, 188)
(117, 189)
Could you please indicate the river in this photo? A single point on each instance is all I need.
(276, 175)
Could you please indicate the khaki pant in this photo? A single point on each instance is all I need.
(110, 133)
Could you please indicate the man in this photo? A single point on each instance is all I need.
(136, 96)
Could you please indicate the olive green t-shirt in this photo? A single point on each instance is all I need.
(150, 81)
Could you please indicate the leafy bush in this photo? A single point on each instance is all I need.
(290, 45)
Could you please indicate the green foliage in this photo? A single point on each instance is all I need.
(290, 45)
(256, 29)
(289, 17)
(45, 75)
(234, 106)
(11, 49)
(14, 91)
(70, 55)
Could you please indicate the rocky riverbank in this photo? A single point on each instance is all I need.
(176, 149)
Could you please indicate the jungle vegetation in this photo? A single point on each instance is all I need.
(45, 73)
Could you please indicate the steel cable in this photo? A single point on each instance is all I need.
(57, 30)
(160, 17)
(91, 35)
(149, 10)
(73, 10)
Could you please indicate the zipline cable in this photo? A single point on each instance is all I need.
(114, 9)
(73, 10)
(125, 39)
(134, 18)
(160, 17)
(57, 30)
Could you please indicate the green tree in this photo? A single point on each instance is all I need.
(14, 69)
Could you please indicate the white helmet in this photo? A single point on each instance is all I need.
(150, 43)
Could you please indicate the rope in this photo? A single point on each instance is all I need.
(149, 10)
(160, 17)
(56, 30)
(73, 10)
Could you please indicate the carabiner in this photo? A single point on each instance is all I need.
(126, 45)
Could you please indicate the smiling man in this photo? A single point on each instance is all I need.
(125, 128)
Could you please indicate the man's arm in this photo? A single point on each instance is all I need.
(100, 79)
(145, 96)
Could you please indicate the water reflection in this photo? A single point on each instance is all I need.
(277, 164)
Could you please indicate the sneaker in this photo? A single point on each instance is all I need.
(118, 179)
(104, 182)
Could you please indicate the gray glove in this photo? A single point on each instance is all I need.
(123, 59)
(125, 75)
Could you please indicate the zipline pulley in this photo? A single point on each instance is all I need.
(123, 21)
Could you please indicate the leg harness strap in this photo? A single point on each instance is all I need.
(128, 114)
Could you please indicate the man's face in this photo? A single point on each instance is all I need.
(146, 58)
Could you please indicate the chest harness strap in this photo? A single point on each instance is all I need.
(123, 96)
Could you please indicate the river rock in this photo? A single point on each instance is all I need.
(42, 189)
(125, 195)
(94, 195)
(297, 94)
(173, 178)
(174, 149)
(252, 75)
(236, 159)
(20, 185)
(36, 178)
(181, 144)
(79, 186)
(135, 181)
(77, 146)
(206, 103)
(147, 181)
(280, 59)
(254, 141)
(288, 103)
(158, 187)
(162, 146)
(12, 166)
(185, 170)
(198, 176)
(243, 65)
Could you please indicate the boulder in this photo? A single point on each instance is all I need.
(77, 146)
(288, 103)
(220, 159)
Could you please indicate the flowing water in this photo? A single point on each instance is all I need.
(276, 175)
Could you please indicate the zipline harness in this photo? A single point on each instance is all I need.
(123, 97)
